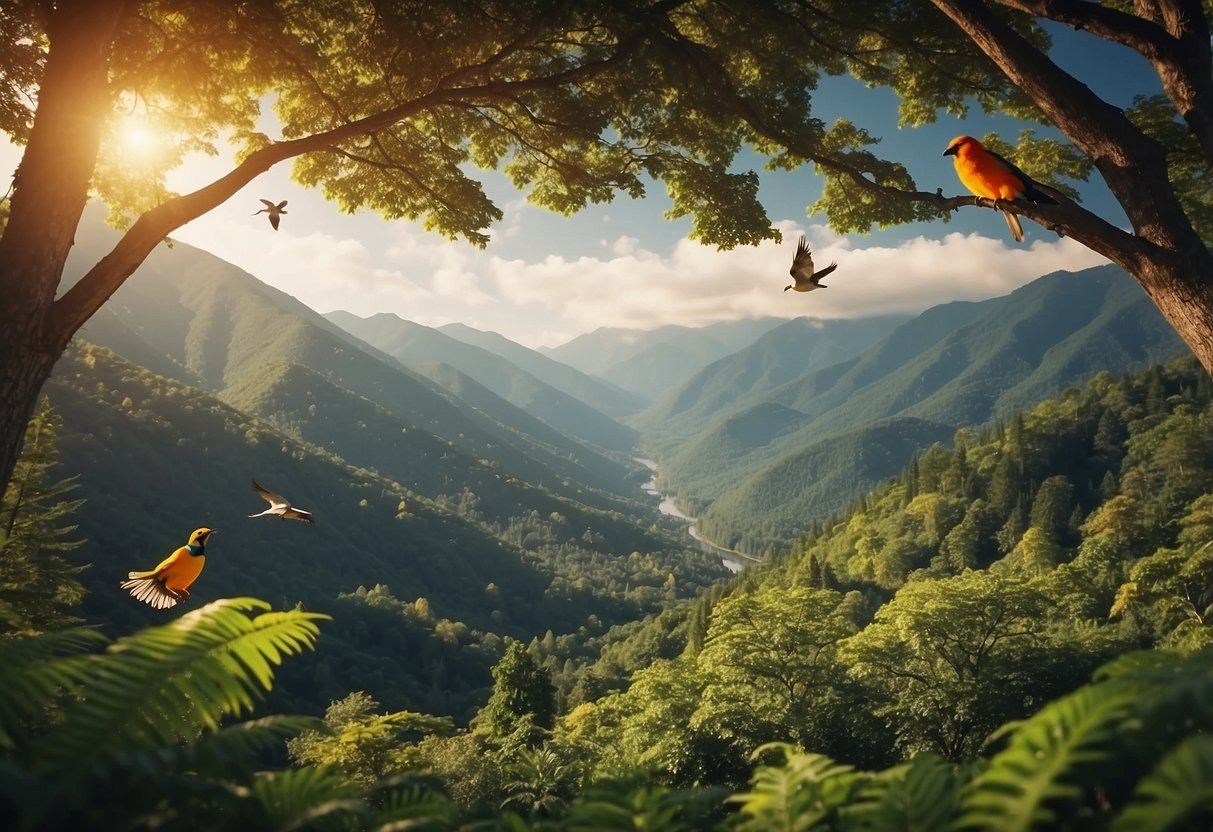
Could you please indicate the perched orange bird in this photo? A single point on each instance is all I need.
(802, 270)
(987, 174)
(170, 582)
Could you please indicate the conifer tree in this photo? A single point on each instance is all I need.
(523, 698)
(35, 581)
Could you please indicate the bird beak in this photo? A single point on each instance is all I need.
(951, 151)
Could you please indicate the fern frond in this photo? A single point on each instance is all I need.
(231, 749)
(36, 670)
(409, 802)
(795, 796)
(306, 798)
(171, 683)
(1031, 782)
(920, 796)
(1177, 794)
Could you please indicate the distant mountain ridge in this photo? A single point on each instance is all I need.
(956, 364)
(416, 346)
(651, 362)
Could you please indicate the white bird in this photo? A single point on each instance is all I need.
(281, 507)
(274, 211)
(802, 270)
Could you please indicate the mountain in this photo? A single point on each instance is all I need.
(640, 360)
(785, 353)
(956, 364)
(233, 335)
(604, 396)
(415, 346)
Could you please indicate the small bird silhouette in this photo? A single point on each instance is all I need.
(802, 270)
(987, 174)
(170, 582)
(274, 211)
(281, 507)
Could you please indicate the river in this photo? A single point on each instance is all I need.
(732, 559)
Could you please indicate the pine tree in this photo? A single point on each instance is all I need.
(523, 699)
(36, 583)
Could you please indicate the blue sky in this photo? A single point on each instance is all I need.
(545, 279)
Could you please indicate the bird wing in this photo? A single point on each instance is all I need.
(817, 276)
(802, 262)
(275, 500)
(281, 205)
(269, 206)
(293, 513)
(150, 590)
(1031, 188)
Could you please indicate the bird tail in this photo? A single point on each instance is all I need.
(1013, 224)
(149, 590)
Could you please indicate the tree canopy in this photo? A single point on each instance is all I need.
(392, 105)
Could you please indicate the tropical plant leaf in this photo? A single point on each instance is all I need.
(920, 796)
(409, 802)
(169, 684)
(796, 796)
(1177, 794)
(306, 798)
(1032, 782)
(37, 670)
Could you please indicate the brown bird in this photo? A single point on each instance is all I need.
(170, 581)
(281, 507)
(274, 211)
(802, 270)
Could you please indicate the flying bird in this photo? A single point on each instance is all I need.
(802, 270)
(275, 211)
(281, 507)
(170, 582)
(987, 174)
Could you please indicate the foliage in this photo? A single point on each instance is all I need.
(523, 702)
(37, 584)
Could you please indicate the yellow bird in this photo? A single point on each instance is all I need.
(170, 582)
(987, 174)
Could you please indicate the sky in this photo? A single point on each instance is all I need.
(544, 279)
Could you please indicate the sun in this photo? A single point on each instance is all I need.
(139, 138)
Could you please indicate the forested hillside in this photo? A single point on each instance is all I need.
(1007, 631)
(448, 578)
(960, 364)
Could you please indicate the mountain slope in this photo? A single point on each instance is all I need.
(957, 364)
(608, 398)
(233, 333)
(415, 345)
(787, 352)
(609, 352)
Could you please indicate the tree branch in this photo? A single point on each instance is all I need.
(1177, 47)
(80, 302)
(1133, 165)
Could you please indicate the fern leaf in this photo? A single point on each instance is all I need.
(305, 798)
(37, 670)
(1036, 778)
(920, 796)
(1177, 794)
(171, 683)
(795, 796)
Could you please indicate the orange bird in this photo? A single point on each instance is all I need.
(987, 174)
(170, 582)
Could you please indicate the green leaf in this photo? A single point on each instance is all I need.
(1177, 794)
(169, 684)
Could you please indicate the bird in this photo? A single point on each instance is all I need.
(274, 211)
(802, 270)
(281, 507)
(987, 174)
(169, 583)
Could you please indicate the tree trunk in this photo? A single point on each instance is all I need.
(23, 371)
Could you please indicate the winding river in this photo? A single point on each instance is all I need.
(733, 560)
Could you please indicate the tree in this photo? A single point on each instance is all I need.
(523, 698)
(36, 583)
(387, 106)
(947, 661)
